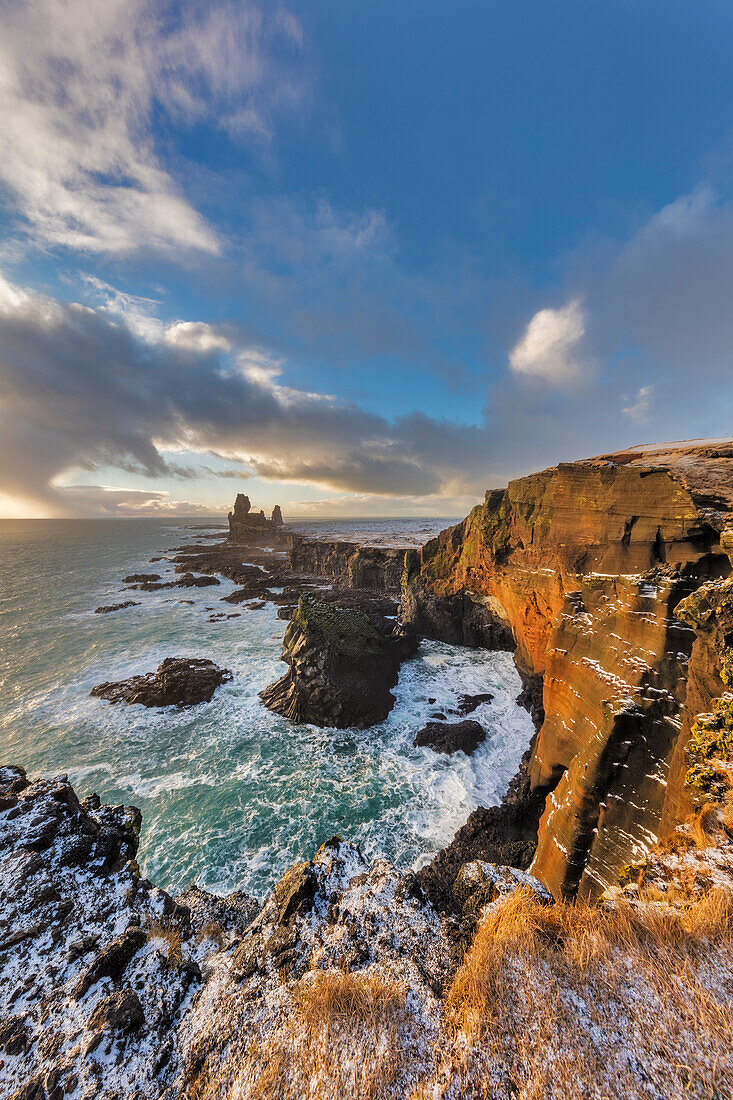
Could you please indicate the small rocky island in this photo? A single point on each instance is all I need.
(178, 681)
(343, 664)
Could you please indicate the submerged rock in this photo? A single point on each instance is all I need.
(342, 667)
(178, 681)
(451, 736)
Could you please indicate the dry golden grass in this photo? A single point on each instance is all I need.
(334, 998)
(540, 986)
(164, 928)
(213, 931)
(726, 813)
(705, 825)
(341, 1038)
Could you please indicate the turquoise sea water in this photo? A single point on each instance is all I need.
(231, 794)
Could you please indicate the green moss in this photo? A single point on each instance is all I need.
(631, 872)
(711, 741)
(351, 632)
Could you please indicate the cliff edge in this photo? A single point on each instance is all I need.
(580, 569)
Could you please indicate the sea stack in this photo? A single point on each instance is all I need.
(248, 527)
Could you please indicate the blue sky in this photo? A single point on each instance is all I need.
(355, 258)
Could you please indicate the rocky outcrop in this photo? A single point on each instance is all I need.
(105, 610)
(253, 528)
(178, 681)
(451, 737)
(582, 567)
(90, 995)
(348, 564)
(342, 667)
(709, 612)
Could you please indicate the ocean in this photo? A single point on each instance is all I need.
(231, 794)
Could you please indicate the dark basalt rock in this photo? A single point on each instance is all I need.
(505, 834)
(112, 961)
(451, 736)
(141, 578)
(187, 580)
(119, 1012)
(342, 667)
(178, 681)
(234, 911)
(467, 704)
(115, 607)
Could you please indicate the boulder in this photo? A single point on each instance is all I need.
(178, 681)
(451, 736)
(115, 607)
(120, 1012)
(342, 667)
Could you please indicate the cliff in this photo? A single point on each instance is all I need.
(348, 564)
(580, 568)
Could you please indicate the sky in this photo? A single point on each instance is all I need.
(355, 258)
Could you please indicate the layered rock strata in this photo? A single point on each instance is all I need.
(581, 569)
(342, 667)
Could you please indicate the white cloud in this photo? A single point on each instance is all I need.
(197, 336)
(550, 346)
(80, 83)
(108, 500)
(637, 409)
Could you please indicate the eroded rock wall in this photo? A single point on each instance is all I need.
(348, 564)
(584, 564)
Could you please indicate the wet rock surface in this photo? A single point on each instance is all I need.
(342, 667)
(115, 607)
(178, 681)
(451, 737)
(467, 704)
